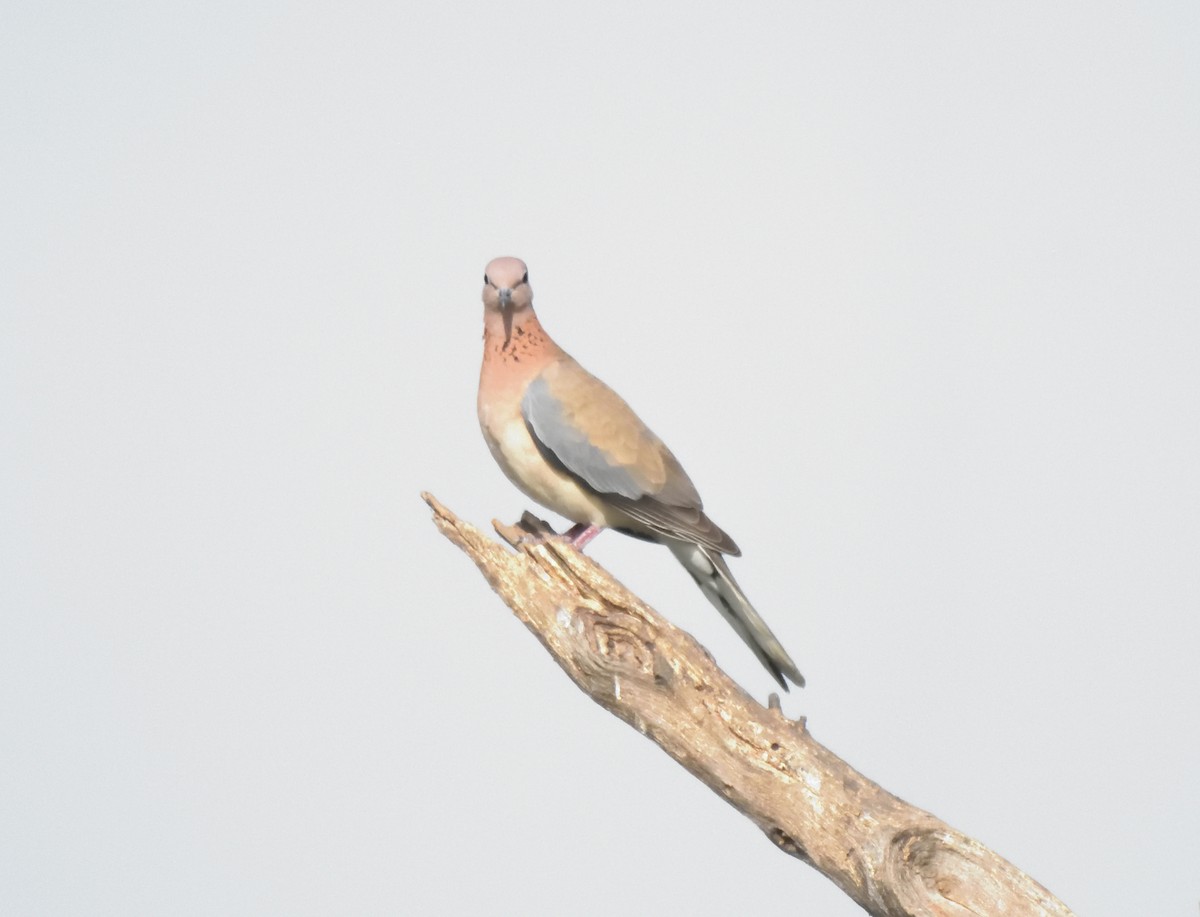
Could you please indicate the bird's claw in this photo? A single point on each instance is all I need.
(530, 530)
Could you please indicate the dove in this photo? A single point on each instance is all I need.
(573, 445)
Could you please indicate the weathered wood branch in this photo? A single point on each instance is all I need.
(890, 857)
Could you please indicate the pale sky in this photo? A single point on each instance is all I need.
(911, 290)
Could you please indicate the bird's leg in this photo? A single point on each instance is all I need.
(581, 533)
(532, 530)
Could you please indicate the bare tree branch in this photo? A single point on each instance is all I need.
(891, 858)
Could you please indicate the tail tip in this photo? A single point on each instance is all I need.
(784, 674)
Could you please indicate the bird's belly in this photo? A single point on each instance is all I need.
(520, 459)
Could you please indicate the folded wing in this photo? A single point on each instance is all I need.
(587, 429)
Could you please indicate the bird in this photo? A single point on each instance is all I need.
(573, 445)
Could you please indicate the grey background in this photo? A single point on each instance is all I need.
(910, 288)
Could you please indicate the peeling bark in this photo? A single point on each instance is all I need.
(888, 856)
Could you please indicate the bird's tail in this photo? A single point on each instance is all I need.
(708, 568)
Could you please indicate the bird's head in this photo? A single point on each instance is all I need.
(506, 290)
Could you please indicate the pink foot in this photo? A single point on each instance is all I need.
(580, 534)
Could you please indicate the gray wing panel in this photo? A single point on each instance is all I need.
(553, 430)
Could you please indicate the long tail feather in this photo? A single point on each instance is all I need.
(708, 568)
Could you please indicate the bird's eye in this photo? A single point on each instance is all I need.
(525, 279)
(486, 282)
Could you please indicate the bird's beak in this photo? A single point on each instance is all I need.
(505, 296)
(506, 314)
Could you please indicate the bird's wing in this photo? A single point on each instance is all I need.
(588, 430)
